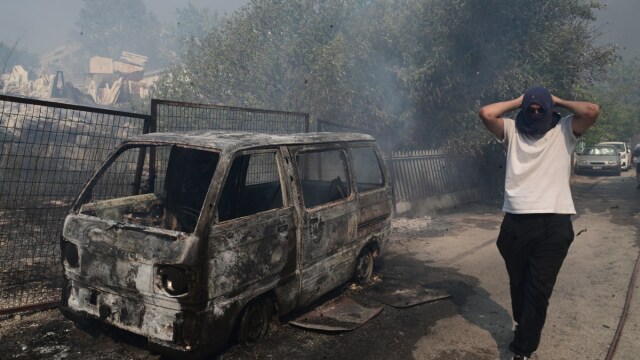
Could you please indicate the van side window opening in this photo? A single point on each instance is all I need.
(252, 186)
(323, 177)
(122, 192)
(367, 170)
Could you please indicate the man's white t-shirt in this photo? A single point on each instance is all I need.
(538, 170)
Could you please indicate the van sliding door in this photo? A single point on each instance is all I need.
(328, 248)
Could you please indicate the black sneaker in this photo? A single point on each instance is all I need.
(520, 357)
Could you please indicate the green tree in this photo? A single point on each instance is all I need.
(416, 70)
(618, 95)
(482, 52)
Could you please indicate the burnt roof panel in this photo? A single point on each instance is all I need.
(233, 140)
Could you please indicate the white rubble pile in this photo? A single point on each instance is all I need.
(411, 225)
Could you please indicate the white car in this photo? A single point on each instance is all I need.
(625, 153)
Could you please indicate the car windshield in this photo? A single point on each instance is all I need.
(619, 147)
(600, 151)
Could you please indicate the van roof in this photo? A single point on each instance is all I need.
(234, 140)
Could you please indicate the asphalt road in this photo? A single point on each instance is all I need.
(453, 252)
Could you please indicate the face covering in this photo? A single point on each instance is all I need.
(537, 124)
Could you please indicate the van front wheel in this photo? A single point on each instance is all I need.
(254, 321)
(364, 267)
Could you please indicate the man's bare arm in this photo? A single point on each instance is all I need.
(491, 115)
(584, 113)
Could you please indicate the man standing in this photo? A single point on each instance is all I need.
(536, 230)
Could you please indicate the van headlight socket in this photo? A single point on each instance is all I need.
(173, 280)
(70, 254)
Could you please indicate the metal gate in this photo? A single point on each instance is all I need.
(47, 152)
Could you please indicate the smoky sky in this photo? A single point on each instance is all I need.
(619, 24)
(42, 25)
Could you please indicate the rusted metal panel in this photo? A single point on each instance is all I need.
(400, 295)
(340, 314)
(230, 141)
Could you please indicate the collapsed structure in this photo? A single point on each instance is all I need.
(108, 82)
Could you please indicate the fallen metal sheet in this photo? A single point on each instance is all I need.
(341, 314)
(403, 296)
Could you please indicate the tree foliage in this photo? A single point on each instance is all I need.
(190, 26)
(415, 70)
(619, 97)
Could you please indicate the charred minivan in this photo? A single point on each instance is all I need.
(190, 238)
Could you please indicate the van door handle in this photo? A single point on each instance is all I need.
(314, 226)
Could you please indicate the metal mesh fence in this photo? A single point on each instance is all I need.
(48, 150)
(179, 116)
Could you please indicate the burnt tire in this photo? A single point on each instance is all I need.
(254, 321)
(364, 267)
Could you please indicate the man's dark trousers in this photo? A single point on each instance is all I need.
(533, 247)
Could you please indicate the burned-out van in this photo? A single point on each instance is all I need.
(188, 238)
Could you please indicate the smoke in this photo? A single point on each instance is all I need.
(619, 24)
(42, 25)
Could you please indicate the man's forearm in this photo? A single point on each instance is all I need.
(496, 110)
(584, 113)
(491, 115)
(580, 109)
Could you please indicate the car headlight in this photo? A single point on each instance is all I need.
(611, 162)
(582, 162)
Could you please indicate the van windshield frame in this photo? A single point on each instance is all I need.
(157, 185)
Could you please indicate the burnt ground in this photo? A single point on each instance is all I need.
(453, 251)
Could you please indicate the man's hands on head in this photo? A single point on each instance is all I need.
(491, 115)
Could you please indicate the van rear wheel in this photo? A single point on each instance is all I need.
(364, 267)
(254, 321)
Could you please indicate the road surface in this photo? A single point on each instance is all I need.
(454, 252)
